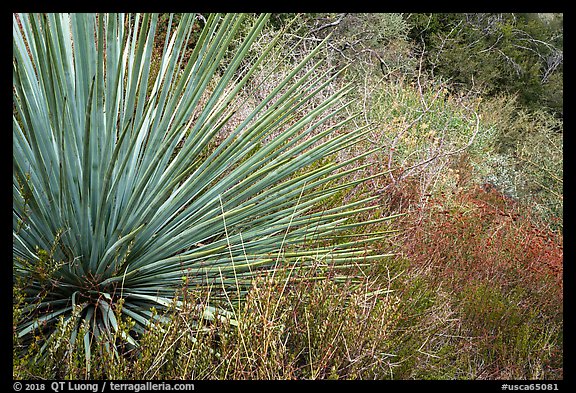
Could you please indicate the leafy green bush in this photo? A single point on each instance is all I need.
(496, 53)
(525, 160)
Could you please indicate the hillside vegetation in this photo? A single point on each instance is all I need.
(446, 132)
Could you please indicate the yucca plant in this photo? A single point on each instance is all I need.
(120, 191)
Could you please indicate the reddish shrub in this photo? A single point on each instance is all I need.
(485, 235)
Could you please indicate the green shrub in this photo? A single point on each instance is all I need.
(526, 158)
(495, 53)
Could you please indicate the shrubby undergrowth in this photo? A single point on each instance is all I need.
(474, 182)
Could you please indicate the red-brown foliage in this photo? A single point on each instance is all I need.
(480, 234)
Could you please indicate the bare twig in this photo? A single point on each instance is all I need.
(332, 24)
